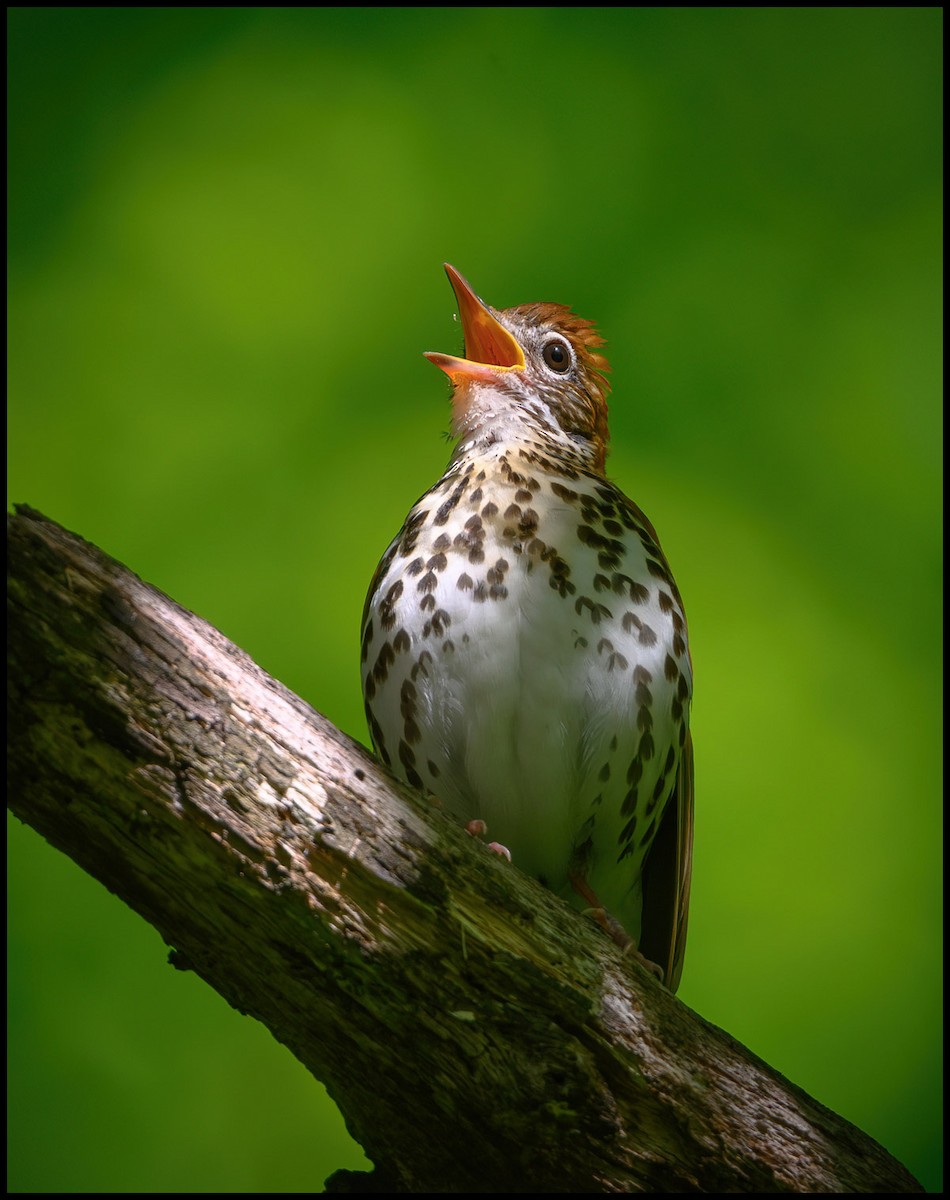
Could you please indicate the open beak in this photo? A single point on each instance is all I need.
(490, 349)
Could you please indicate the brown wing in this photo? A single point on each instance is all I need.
(666, 878)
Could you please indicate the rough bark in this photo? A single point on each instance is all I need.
(477, 1034)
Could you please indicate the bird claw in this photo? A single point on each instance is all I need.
(630, 951)
(619, 935)
(477, 828)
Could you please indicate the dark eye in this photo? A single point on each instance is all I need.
(557, 356)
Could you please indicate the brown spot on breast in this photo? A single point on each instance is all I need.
(410, 533)
(433, 769)
(416, 567)
(628, 831)
(490, 509)
(444, 511)
(402, 642)
(387, 610)
(438, 623)
(408, 760)
(666, 601)
(645, 635)
(610, 557)
(597, 611)
(384, 660)
(422, 665)
(564, 493)
(512, 512)
(476, 497)
(636, 591)
(376, 735)
(437, 562)
(670, 669)
(464, 583)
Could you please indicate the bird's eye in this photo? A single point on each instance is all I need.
(557, 356)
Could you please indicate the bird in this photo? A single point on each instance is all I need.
(524, 647)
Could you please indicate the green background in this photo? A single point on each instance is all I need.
(226, 237)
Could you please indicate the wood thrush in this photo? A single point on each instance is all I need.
(524, 646)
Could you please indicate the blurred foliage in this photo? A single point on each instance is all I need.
(226, 230)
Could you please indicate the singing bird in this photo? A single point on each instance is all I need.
(524, 646)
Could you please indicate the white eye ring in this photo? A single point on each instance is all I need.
(558, 355)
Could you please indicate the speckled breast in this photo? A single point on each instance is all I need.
(524, 658)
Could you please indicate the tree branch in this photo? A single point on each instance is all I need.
(477, 1034)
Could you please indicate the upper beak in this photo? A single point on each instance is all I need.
(489, 347)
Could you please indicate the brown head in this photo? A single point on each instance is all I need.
(531, 373)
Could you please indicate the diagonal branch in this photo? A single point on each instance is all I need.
(477, 1034)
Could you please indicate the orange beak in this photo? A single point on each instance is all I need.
(489, 347)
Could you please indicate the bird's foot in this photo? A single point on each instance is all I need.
(477, 828)
(619, 935)
(630, 951)
(611, 926)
